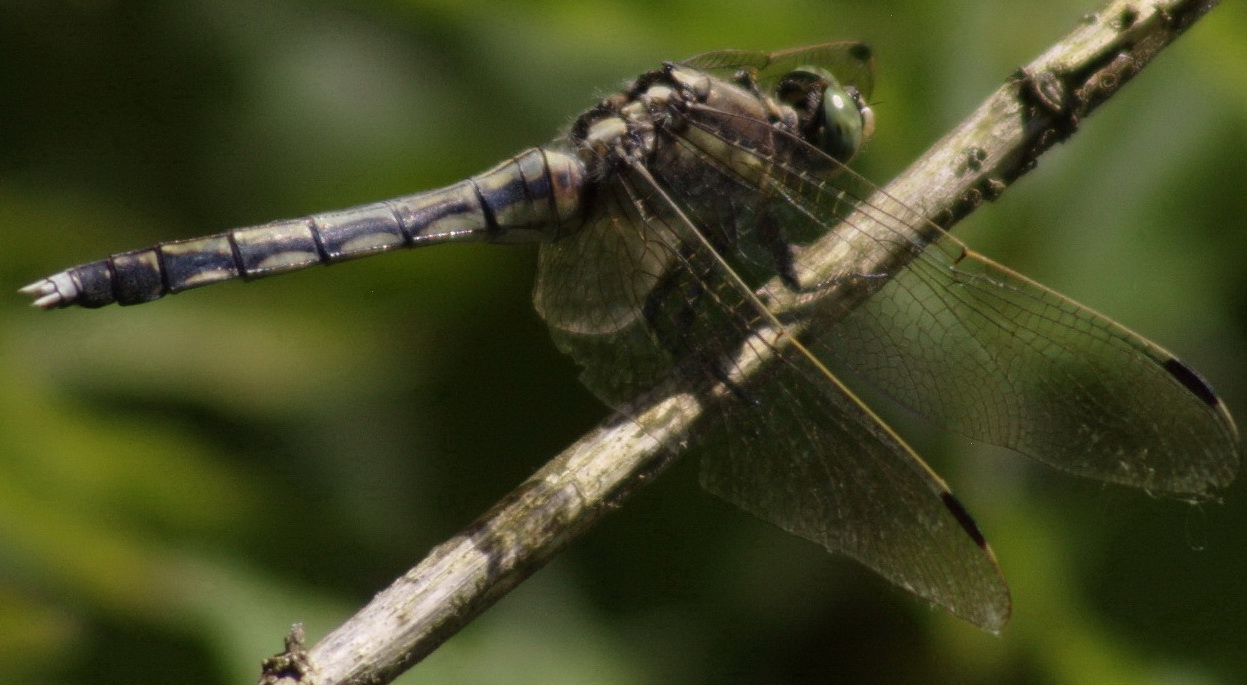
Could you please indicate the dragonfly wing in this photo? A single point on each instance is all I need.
(682, 254)
(596, 283)
(787, 443)
(799, 453)
(784, 442)
(852, 63)
(592, 289)
(980, 348)
(1003, 359)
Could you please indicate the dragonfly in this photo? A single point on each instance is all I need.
(701, 230)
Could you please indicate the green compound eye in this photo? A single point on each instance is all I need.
(847, 122)
(834, 117)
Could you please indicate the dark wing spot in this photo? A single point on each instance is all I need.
(1191, 381)
(963, 517)
(861, 51)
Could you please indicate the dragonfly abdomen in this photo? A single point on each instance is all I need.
(528, 198)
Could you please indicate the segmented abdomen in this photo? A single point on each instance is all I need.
(530, 197)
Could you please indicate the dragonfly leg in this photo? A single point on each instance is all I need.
(772, 235)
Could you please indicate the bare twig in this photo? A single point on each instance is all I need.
(1042, 105)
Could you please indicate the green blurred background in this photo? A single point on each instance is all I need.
(179, 482)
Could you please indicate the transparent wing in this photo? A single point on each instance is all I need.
(651, 292)
(988, 352)
(1005, 360)
(785, 443)
(615, 261)
(799, 453)
(851, 63)
(592, 289)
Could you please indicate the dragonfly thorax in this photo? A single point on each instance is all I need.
(622, 129)
(635, 127)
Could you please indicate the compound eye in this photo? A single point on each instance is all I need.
(847, 122)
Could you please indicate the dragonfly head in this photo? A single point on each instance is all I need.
(832, 117)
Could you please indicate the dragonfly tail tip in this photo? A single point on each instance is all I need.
(45, 293)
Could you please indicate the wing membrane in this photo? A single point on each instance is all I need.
(1005, 360)
(674, 280)
(601, 278)
(851, 63)
(788, 444)
(592, 290)
(993, 354)
(810, 459)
